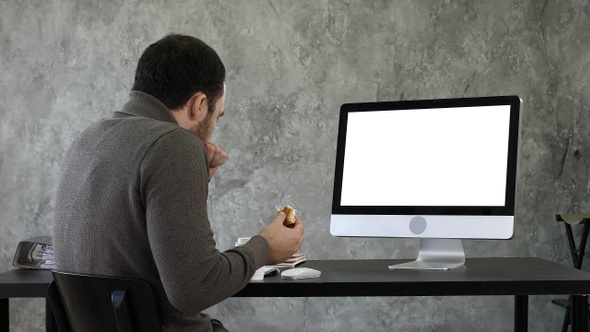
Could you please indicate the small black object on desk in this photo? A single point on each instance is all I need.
(577, 252)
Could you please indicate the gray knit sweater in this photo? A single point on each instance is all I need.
(132, 202)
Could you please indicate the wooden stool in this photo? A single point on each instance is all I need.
(577, 252)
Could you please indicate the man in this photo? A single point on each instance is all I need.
(132, 193)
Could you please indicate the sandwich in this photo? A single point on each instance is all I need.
(290, 213)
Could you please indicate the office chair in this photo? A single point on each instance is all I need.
(93, 303)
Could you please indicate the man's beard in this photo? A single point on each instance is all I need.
(202, 130)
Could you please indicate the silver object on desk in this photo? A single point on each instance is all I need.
(35, 253)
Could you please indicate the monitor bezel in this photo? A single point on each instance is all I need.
(507, 210)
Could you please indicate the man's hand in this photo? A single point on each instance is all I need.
(216, 157)
(283, 241)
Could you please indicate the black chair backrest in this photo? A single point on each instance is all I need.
(57, 306)
(93, 303)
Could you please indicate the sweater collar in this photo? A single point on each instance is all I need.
(145, 105)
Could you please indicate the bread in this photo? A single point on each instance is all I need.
(290, 212)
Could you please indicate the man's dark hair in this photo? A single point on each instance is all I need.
(176, 67)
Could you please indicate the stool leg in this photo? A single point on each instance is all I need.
(566, 320)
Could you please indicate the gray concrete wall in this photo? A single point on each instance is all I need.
(291, 64)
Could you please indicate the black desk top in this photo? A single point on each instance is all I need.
(24, 283)
(481, 276)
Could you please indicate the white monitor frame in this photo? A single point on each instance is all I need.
(415, 214)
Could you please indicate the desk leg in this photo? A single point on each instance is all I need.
(579, 312)
(4, 315)
(521, 313)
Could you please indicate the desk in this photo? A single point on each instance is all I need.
(20, 283)
(519, 277)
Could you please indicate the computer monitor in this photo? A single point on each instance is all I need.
(438, 170)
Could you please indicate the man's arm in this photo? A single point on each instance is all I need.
(174, 188)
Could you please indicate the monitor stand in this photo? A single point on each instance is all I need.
(436, 254)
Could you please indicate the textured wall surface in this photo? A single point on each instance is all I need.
(291, 64)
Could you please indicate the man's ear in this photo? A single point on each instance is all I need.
(198, 106)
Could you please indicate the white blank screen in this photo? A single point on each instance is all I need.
(426, 157)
